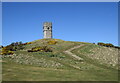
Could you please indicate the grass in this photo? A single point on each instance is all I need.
(32, 73)
(99, 55)
(56, 66)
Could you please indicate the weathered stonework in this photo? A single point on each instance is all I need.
(47, 30)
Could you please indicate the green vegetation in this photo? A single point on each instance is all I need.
(13, 71)
(57, 66)
(8, 50)
(41, 48)
(97, 54)
(52, 42)
(107, 45)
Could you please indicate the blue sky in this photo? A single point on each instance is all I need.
(76, 21)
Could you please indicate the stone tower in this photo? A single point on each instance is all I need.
(47, 30)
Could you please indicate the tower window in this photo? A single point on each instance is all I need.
(48, 28)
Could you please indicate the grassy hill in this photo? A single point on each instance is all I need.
(99, 63)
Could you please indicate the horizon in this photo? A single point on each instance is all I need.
(91, 22)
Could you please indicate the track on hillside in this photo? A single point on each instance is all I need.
(73, 55)
(68, 52)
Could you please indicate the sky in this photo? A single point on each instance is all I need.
(72, 21)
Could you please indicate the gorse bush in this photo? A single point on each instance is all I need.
(101, 44)
(41, 49)
(16, 46)
(106, 44)
(7, 50)
(27, 43)
(52, 42)
(109, 45)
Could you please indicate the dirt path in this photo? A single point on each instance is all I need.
(73, 55)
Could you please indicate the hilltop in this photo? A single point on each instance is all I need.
(52, 63)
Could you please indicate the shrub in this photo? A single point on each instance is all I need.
(109, 45)
(106, 44)
(10, 52)
(117, 47)
(101, 44)
(14, 46)
(52, 42)
(19, 47)
(30, 51)
(41, 48)
(52, 55)
(6, 52)
(62, 56)
(27, 43)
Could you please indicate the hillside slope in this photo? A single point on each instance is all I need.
(97, 62)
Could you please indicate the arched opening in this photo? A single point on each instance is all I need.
(48, 28)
